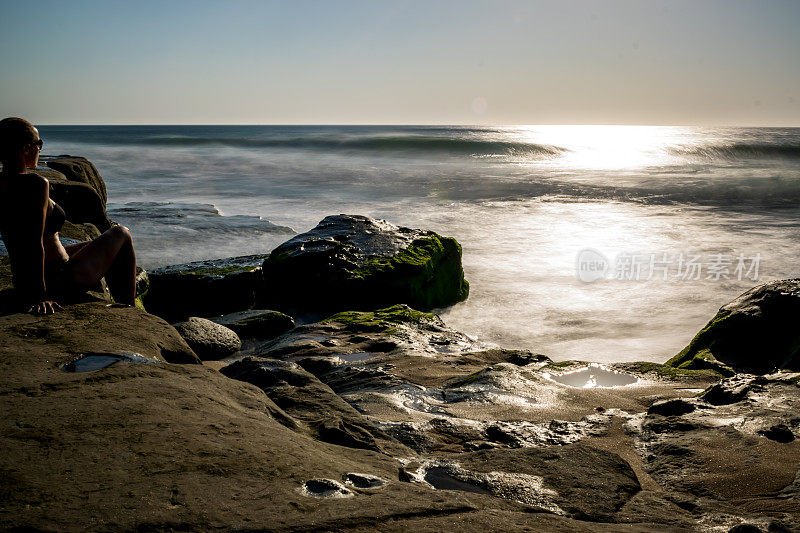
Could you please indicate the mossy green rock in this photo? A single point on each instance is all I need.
(204, 288)
(357, 262)
(757, 333)
(384, 320)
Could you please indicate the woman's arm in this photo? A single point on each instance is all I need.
(31, 214)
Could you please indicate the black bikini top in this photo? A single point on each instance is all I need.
(54, 221)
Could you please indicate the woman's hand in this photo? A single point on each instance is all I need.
(45, 307)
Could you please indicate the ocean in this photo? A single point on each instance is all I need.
(599, 243)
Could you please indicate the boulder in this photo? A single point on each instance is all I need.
(80, 170)
(204, 288)
(357, 262)
(81, 202)
(209, 340)
(79, 232)
(756, 333)
(257, 323)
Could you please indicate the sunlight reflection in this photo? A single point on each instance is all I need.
(606, 147)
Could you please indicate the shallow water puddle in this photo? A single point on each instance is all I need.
(96, 361)
(324, 488)
(355, 357)
(440, 478)
(595, 376)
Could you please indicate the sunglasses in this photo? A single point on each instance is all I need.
(38, 143)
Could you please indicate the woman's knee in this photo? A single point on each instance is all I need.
(121, 232)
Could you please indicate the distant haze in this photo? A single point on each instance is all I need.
(402, 62)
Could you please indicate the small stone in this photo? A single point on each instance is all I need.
(210, 341)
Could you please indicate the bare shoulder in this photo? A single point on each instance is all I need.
(30, 188)
(34, 185)
(37, 181)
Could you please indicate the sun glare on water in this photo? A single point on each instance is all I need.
(605, 147)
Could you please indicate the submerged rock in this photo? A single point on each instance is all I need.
(257, 323)
(576, 480)
(204, 288)
(357, 262)
(209, 340)
(757, 333)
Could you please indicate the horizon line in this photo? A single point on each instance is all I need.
(432, 124)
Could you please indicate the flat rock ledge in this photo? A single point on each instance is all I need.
(375, 420)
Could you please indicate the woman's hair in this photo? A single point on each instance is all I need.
(14, 134)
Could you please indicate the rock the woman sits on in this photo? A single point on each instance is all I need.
(44, 270)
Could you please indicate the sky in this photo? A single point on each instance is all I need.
(674, 62)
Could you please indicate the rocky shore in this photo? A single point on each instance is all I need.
(312, 389)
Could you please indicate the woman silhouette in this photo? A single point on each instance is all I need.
(44, 270)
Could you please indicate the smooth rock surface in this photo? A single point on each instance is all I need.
(209, 340)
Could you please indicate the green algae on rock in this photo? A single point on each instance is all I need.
(384, 320)
(757, 332)
(204, 288)
(357, 262)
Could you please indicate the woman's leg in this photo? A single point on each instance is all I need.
(110, 255)
(72, 248)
